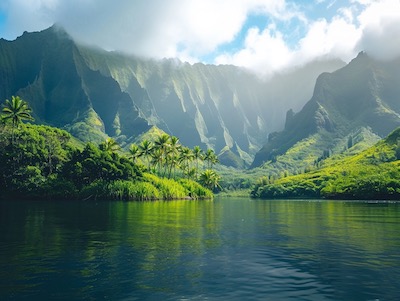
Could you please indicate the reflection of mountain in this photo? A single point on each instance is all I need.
(93, 93)
(360, 100)
(193, 250)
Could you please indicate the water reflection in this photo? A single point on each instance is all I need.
(222, 249)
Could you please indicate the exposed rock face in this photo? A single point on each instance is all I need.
(93, 94)
(363, 94)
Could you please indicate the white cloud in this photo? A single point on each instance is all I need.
(372, 26)
(335, 38)
(26, 15)
(268, 52)
(190, 29)
(264, 51)
(146, 27)
(380, 25)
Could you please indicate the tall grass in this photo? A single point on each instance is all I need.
(195, 190)
(168, 188)
(152, 188)
(120, 190)
(129, 191)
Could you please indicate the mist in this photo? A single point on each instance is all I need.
(208, 31)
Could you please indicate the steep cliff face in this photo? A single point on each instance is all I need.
(201, 104)
(48, 71)
(363, 94)
(94, 94)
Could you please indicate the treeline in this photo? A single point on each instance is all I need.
(372, 174)
(44, 162)
(166, 157)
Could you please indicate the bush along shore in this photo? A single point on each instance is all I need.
(44, 162)
(373, 174)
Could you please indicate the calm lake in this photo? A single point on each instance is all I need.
(224, 249)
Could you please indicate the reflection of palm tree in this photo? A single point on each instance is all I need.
(210, 179)
(16, 111)
(146, 148)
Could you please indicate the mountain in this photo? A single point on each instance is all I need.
(47, 70)
(94, 94)
(359, 103)
(371, 174)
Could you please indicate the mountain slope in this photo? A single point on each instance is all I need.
(94, 94)
(372, 174)
(222, 107)
(362, 96)
(46, 69)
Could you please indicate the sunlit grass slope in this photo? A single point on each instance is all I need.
(371, 174)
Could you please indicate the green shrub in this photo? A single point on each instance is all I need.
(132, 191)
(168, 188)
(195, 190)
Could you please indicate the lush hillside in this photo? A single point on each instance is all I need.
(95, 94)
(371, 174)
(358, 103)
(44, 69)
(44, 162)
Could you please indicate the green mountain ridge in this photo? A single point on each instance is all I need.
(361, 99)
(96, 94)
(62, 91)
(370, 174)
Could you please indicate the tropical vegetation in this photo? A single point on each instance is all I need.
(370, 174)
(43, 161)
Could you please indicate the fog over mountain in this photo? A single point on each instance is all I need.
(267, 36)
(94, 93)
(356, 104)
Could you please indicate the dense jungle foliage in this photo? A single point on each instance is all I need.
(371, 174)
(43, 161)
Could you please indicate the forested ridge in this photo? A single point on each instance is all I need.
(46, 162)
(371, 174)
(94, 94)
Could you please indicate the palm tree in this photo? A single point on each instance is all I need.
(210, 179)
(110, 145)
(185, 156)
(174, 143)
(16, 111)
(134, 152)
(211, 158)
(197, 155)
(162, 143)
(157, 157)
(191, 172)
(172, 158)
(146, 147)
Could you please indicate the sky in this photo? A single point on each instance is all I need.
(266, 36)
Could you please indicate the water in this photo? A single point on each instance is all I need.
(226, 249)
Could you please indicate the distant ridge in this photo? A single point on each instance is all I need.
(361, 99)
(94, 94)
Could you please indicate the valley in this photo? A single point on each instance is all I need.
(286, 136)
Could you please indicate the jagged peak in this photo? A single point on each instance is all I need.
(55, 30)
(58, 30)
(362, 56)
(393, 137)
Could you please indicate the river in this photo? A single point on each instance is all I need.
(222, 249)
